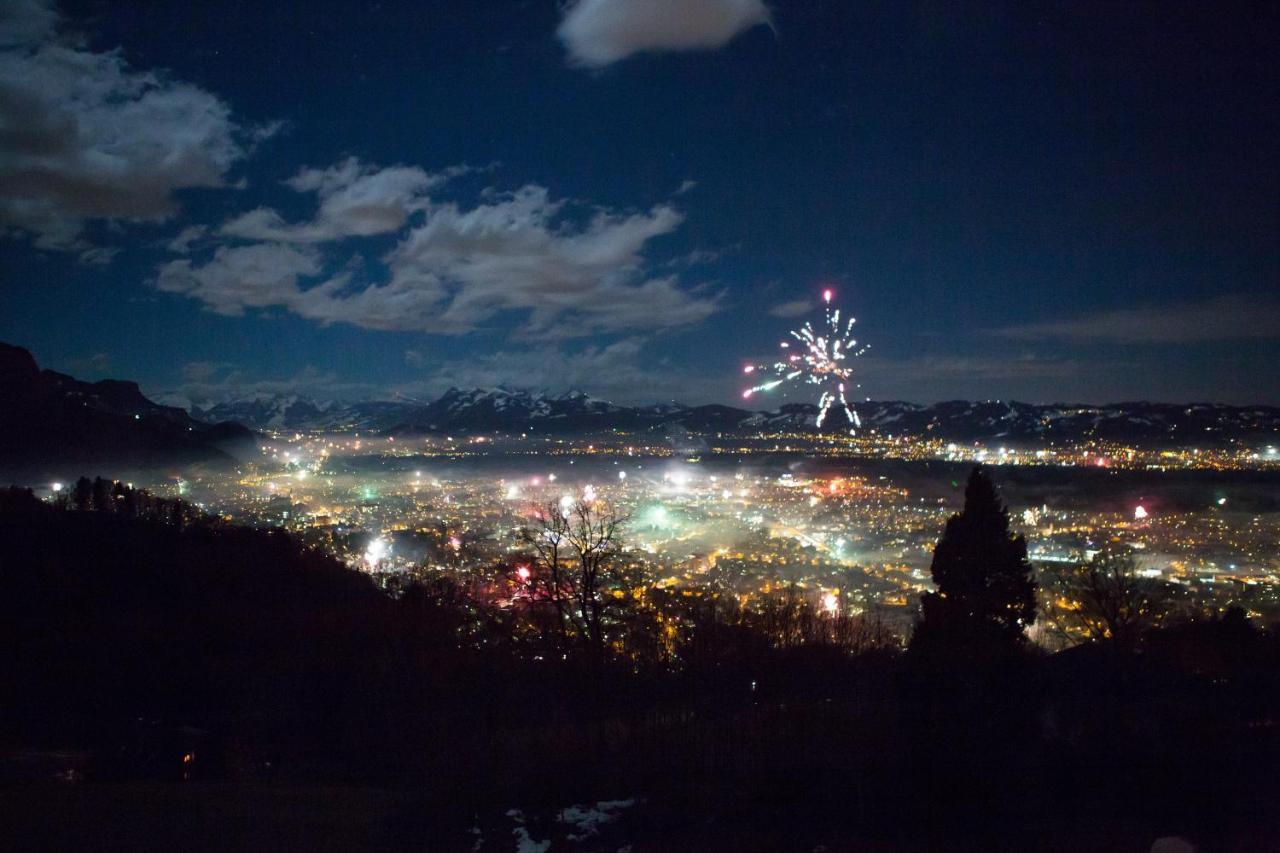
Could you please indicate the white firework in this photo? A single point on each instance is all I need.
(817, 359)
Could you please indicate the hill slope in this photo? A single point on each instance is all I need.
(51, 419)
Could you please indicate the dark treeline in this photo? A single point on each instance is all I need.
(164, 645)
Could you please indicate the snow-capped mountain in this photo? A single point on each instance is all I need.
(1011, 421)
(510, 410)
(294, 412)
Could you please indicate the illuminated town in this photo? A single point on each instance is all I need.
(848, 522)
(631, 426)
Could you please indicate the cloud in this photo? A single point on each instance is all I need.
(619, 372)
(206, 383)
(461, 267)
(203, 371)
(356, 200)
(26, 22)
(791, 310)
(1024, 376)
(85, 137)
(597, 33)
(1220, 318)
(517, 252)
(236, 278)
(181, 244)
(931, 368)
(97, 364)
(98, 254)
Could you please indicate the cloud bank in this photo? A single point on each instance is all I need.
(793, 309)
(83, 136)
(1220, 318)
(356, 200)
(619, 372)
(454, 268)
(597, 33)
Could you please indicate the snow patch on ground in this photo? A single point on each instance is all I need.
(524, 841)
(587, 821)
(565, 829)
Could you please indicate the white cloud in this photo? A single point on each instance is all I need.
(600, 32)
(181, 244)
(203, 371)
(790, 310)
(99, 255)
(26, 22)
(236, 278)
(206, 383)
(517, 253)
(887, 372)
(1220, 318)
(356, 200)
(83, 136)
(462, 267)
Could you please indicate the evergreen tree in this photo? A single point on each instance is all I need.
(986, 596)
(101, 495)
(83, 499)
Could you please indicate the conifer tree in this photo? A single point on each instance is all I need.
(986, 595)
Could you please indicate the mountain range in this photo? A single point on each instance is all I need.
(508, 410)
(49, 419)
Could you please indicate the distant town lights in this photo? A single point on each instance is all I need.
(376, 552)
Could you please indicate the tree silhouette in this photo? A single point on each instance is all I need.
(985, 596)
(576, 544)
(83, 499)
(1106, 599)
(101, 494)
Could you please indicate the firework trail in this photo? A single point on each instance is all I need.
(816, 359)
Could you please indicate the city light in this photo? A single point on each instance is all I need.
(376, 552)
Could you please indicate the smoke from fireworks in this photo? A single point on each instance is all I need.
(817, 359)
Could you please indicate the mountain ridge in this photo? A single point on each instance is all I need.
(513, 410)
(49, 419)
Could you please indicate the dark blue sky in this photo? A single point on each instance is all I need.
(1043, 201)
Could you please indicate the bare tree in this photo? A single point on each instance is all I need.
(792, 618)
(576, 543)
(1105, 599)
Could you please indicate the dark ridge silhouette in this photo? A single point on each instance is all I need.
(49, 420)
(147, 644)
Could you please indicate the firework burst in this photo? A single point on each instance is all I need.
(820, 359)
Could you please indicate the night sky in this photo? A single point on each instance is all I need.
(1047, 202)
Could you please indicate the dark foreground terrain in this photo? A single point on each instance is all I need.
(173, 683)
